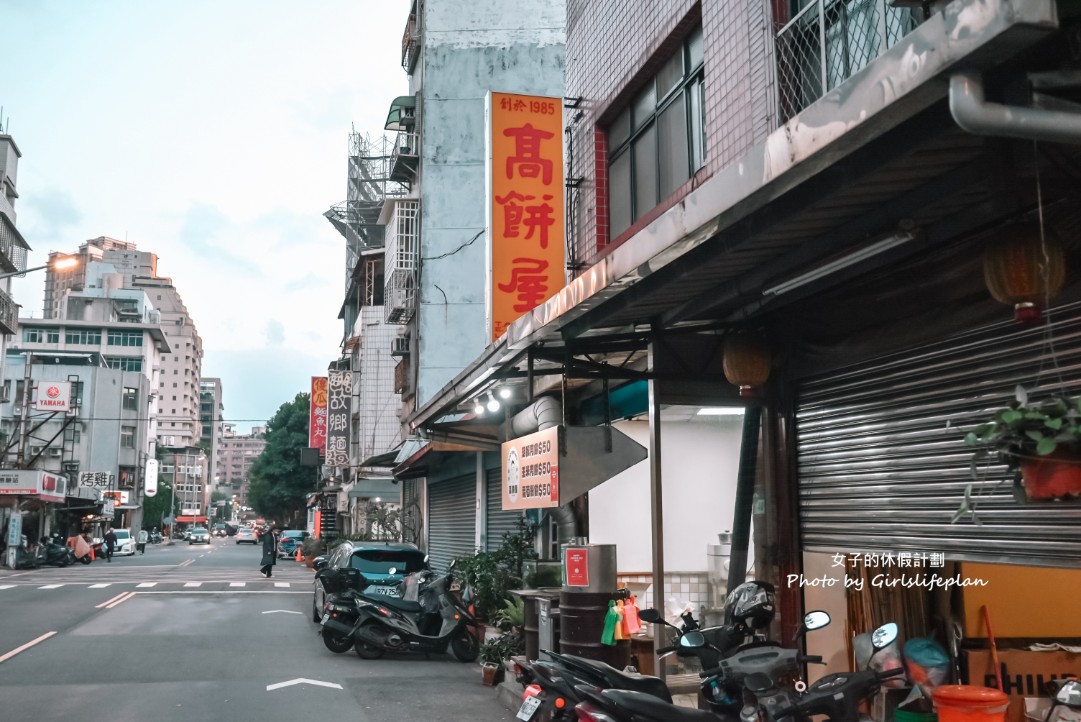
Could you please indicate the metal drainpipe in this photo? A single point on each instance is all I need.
(973, 113)
(748, 470)
(544, 413)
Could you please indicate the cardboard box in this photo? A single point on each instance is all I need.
(1024, 673)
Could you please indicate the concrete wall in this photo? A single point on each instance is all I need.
(468, 50)
(699, 466)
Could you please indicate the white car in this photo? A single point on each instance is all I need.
(125, 543)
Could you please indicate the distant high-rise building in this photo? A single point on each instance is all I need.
(123, 256)
(211, 410)
(238, 453)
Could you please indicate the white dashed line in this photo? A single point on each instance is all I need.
(281, 584)
(51, 586)
(6, 586)
(193, 584)
(146, 585)
(98, 586)
(237, 584)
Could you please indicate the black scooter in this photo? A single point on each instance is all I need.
(53, 554)
(438, 621)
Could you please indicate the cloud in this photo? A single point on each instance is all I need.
(208, 233)
(275, 333)
(307, 282)
(51, 215)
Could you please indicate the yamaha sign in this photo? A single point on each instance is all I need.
(53, 396)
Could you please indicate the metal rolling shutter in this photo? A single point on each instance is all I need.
(452, 516)
(881, 461)
(499, 521)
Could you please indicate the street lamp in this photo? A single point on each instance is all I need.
(61, 264)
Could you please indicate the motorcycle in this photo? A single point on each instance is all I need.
(155, 537)
(837, 696)
(54, 554)
(437, 621)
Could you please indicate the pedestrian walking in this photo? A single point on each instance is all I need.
(109, 542)
(270, 551)
(141, 540)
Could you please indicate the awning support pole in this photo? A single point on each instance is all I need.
(748, 470)
(656, 500)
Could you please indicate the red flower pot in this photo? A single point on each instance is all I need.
(1053, 476)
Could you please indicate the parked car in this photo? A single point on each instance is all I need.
(125, 543)
(219, 530)
(246, 535)
(384, 566)
(289, 540)
(198, 535)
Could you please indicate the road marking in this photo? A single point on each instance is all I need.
(281, 584)
(109, 601)
(282, 611)
(6, 586)
(193, 584)
(232, 584)
(30, 644)
(51, 586)
(123, 598)
(186, 562)
(146, 585)
(301, 680)
(99, 586)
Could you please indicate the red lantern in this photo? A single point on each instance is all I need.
(746, 362)
(1025, 269)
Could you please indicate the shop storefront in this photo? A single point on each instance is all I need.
(27, 499)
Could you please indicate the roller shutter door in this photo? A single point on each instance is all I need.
(452, 516)
(881, 461)
(499, 521)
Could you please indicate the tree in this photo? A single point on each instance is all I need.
(279, 484)
(156, 507)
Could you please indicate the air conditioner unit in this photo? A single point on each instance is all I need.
(56, 452)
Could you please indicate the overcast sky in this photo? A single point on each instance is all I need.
(215, 134)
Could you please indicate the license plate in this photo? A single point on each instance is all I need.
(386, 591)
(326, 616)
(528, 708)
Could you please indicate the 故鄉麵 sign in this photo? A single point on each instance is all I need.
(525, 205)
(531, 471)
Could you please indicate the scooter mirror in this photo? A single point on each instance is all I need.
(1069, 693)
(816, 619)
(319, 563)
(694, 640)
(884, 636)
(650, 615)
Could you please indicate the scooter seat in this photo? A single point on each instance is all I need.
(387, 601)
(643, 683)
(641, 706)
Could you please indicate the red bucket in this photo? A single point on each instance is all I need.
(967, 703)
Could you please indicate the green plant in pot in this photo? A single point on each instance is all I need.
(1040, 441)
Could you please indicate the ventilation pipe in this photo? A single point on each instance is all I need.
(544, 413)
(974, 114)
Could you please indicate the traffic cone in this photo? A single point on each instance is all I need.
(300, 557)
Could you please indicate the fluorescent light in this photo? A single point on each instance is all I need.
(493, 404)
(720, 411)
(891, 241)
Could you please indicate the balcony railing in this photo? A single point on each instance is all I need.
(410, 44)
(13, 248)
(9, 315)
(404, 157)
(830, 40)
(402, 261)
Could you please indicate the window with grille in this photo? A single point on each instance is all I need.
(658, 141)
(131, 399)
(33, 335)
(127, 437)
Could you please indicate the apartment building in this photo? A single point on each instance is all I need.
(238, 453)
(211, 413)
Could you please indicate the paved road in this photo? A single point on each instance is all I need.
(197, 633)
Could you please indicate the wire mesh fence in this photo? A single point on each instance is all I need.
(828, 41)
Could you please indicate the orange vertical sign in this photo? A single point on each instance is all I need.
(525, 137)
(317, 410)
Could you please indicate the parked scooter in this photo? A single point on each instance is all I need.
(438, 621)
(1065, 699)
(53, 553)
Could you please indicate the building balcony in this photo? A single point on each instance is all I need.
(402, 262)
(828, 41)
(405, 157)
(13, 248)
(411, 42)
(9, 315)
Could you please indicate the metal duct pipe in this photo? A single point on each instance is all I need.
(973, 113)
(544, 413)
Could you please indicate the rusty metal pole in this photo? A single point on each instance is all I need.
(656, 501)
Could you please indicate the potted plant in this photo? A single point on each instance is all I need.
(1040, 441)
(310, 548)
(495, 651)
